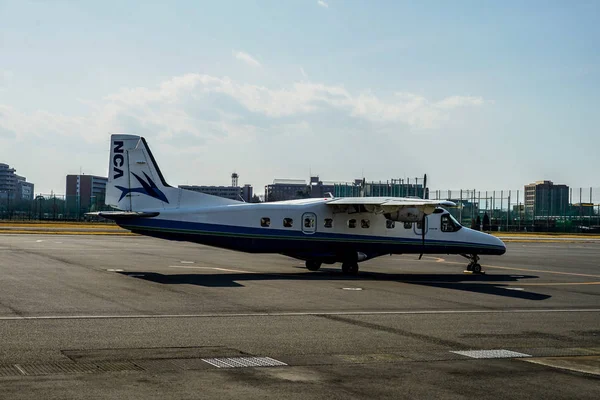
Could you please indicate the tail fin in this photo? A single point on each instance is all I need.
(135, 182)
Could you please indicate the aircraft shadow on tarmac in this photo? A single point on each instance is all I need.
(486, 284)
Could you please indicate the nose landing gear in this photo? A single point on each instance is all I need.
(474, 267)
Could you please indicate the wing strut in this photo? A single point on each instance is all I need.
(423, 219)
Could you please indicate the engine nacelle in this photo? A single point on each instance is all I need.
(406, 214)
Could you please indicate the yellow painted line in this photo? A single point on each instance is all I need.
(530, 270)
(15, 232)
(517, 284)
(553, 284)
(585, 364)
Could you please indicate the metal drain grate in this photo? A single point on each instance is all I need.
(241, 362)
(491, 354)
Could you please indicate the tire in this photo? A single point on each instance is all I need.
(476, 268)
(350, 268)
(313, 265)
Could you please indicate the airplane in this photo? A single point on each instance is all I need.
(317, 231)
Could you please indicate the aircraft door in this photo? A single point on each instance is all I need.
(417, 227)
(309, 223)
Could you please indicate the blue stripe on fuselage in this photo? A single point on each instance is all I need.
(278, 240)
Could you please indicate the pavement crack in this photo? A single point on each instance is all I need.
(394, 331)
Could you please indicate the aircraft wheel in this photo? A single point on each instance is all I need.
(476, 268)
(350, 268)
(313, 265)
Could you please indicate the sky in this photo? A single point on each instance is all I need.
(477, 94)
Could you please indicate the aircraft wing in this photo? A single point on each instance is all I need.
(387, 204)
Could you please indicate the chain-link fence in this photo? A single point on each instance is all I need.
(51, 208)
(574, 210)
(577, 210)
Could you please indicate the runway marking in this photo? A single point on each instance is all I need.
(515, 288)
(114, 270)
(187, 262)
(303, 314)
(437, 259)
(531, 270)
(21, 370)
(215, 268)
(39, 241)
(352, 288)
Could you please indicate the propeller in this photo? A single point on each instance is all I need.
(423, 219)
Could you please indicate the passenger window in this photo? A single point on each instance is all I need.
(390, 224)
(288, 222)
(408, 225)
(309, 222)
(352, 223)
(447, 224)
(265, 222)
(328, 223)
(365, 223)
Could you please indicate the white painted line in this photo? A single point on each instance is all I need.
(491, 354)
(21, 370)
(115, 270)
(514, 288)
(352, 288)
(299, 314)
(186, 262)
(39, 241)
(215, 268)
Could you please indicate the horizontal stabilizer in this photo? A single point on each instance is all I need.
(124, 214)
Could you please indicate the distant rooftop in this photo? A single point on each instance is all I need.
(289, 181)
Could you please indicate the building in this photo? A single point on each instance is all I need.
(392, 188)
(233, 192)
(228, 192)
(24, 189)
(85, 192)
(544, 198)
(286, 189)
(320, 188)
(14, 186)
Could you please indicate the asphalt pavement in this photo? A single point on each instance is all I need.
(136, 317)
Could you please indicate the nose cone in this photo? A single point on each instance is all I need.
(488, 244)
(501, 246)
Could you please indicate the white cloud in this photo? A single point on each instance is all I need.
(303, 72)
(247, 58)
(208, 116)
(5, 77)
(460, 101)
(322, 4)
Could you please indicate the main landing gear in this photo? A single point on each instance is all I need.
(313, 265)
(350, 268)
(474, 267)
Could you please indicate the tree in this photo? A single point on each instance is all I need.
(486, 222)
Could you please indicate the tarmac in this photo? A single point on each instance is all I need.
(99, 316)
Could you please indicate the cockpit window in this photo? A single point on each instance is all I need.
(449, 224)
